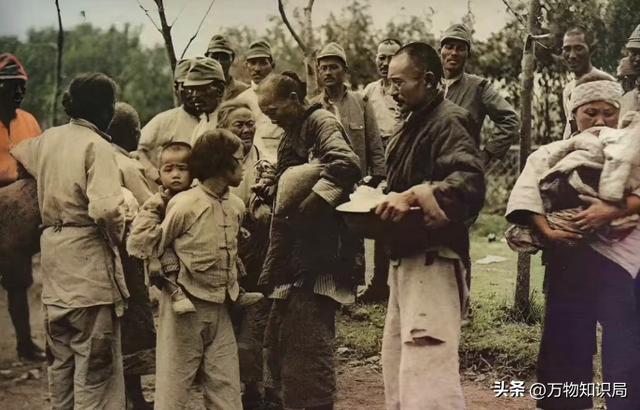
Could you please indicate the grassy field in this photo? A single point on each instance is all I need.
(494, 340)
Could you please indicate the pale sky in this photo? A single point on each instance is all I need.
(16, 17)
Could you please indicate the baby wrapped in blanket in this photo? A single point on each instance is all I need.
(599, 162)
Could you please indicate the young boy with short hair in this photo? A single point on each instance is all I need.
(146, 230)
(202, 226)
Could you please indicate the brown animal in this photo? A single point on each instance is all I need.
(19, 233)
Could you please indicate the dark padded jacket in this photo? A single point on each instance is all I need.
(434, 146)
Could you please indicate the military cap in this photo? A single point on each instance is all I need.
(220, 44)
(182, 68)
(332, 50)
(458, 32)
(259, 49)
(204, 71)
(634, 40)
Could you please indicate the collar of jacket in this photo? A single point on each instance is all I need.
(345, 90)
(213, 194)
(415, 118)
(424, 109)
(197, 117)
(84, 123)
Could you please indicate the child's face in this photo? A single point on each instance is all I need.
(234, 178)
(174, 171)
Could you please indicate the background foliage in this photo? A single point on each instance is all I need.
(144, 76)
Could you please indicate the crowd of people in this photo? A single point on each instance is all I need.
(227, 203)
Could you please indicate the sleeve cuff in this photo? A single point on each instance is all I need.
(329, 191)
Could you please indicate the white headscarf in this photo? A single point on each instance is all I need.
(603, 90)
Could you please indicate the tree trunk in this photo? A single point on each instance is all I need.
(166, 34)
(528, 63)
(310, 55)
(53, 117)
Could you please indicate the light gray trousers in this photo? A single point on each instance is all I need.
(203, 342)
(84, 358)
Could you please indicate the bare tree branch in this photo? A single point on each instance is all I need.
(178, 16)
(524, 25)
(166, 34)
(58, 78)
(198, 30)
(516, 14)
(295, 35)
(309, 28)
(149, 15)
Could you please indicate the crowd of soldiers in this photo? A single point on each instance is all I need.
(228, 204)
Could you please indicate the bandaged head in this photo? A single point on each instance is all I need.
(606, 91)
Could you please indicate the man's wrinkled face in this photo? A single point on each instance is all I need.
(225, 60)
(596, 114)
(282, 112)
(259, 68)
(454, 55)
(331, 71)
(204, 98)
(383, 58)
(634, 58)
(576, 53)
(408, 85)
(12, 93)
(241, 123)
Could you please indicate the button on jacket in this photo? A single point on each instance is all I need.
(358, 119)
(203, 230)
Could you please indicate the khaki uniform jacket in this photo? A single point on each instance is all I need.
(385, 108)
(173, 125)
(81, 205)
(132, 176)
(477, 95)
(359, 120)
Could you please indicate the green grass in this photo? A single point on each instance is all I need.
(495, 339)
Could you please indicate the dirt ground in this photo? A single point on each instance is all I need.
(25, 387)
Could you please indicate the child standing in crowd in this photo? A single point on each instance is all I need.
(146, 231)
(203, 342)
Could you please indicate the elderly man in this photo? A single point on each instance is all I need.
(355, 114)
(384, 106)
(16, 125)
(477, 95)
(631, 100)
(221, 51)
(433, 163)
(200, 96)
(577, 49)
(260, 64)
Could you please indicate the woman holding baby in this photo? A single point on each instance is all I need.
(588, 278)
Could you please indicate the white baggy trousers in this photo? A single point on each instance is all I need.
(422, 334)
